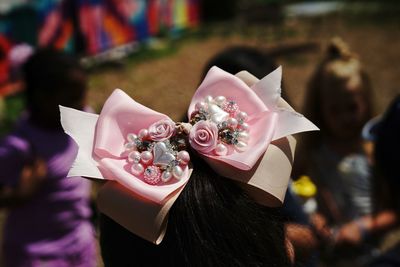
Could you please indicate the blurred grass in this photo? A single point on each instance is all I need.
(172, 71)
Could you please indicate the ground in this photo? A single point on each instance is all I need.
(167, 83)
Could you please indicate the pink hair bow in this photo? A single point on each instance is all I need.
(241, 127)
(259, 123)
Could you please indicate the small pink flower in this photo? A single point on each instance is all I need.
(161, 130)
(152, 175)
(204, 136)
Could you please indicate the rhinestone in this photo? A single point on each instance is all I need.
(231, 107)
(130, 146)
(175, 162)
(152, 175)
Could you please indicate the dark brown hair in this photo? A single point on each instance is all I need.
(212, 223)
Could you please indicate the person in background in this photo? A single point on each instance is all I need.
(338, 99)
(17, 56)
(386, 183)
(382, 133)
(298, 227)
(48, 214)
(237, 58)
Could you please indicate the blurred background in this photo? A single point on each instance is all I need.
(159, 47)
(156, 50)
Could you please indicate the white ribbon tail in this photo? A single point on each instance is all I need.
(291, 122)
(268, 88)
(81, 127)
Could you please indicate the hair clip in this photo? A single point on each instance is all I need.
(240, 126)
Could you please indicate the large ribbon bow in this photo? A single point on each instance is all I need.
(241, 126)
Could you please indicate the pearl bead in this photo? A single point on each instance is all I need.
(242, 116)
(244, 136)
(240, 146)
(221, 150)
(208, 99)
(134, 157)
(146, 157)
(131, 137)
(200, 106)
(232, 123)
(177, 172)
(220, 100)
(166, 176)
(137, 169)
(143, 133)
(183, 156)
(130, 146)
(244, 126)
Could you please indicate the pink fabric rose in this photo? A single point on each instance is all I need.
(204, 136)
(161, 130)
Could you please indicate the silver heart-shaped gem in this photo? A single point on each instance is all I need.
(161, 155)
(217, 115)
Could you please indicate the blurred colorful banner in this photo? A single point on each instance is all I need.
(89, 27)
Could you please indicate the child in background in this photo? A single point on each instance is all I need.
(339, 101)
(48, 219)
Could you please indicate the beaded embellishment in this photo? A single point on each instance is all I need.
(158, 154)
(233, 129)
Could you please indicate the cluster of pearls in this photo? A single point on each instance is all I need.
(230, 120)
(156, 161)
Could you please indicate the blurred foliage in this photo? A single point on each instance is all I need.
(11, 108)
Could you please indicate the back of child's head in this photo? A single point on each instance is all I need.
(212, 223)
(386, 155)
(237, 58)
(53, 78)
(338, 97)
